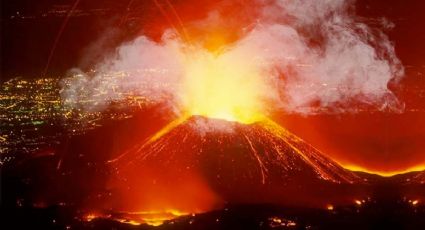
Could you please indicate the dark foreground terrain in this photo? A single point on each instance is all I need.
(397, 215)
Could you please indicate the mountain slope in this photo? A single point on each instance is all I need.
(199, 164)
(259, 151)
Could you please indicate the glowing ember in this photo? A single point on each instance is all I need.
(90, 217)
(414, 202)
(276, 222)
(358, 202)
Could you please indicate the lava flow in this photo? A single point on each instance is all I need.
(198, 164)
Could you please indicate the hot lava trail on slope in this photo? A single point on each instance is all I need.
(197, 164)
(276, 145)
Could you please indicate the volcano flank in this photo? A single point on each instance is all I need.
(213, 161)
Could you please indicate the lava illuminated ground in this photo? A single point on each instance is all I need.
(209, 162)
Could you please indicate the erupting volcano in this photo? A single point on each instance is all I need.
(229, 74)
(254, 151)
(214, 114)
(196, 164)
(222, 148)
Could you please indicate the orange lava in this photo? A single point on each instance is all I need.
(384, 173)
(152, 218)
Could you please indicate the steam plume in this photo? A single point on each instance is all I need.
(312, 56)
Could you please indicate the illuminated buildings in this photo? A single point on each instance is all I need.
(33, 116)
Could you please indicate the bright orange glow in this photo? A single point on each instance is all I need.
(358, 202)
(384, 173)
(414, 202)
(167, 129)
(224, 86)
(153, 218)
(161, 194)
(363, 142)
(90, 217)
(132, 222)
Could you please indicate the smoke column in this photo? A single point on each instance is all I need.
(306, 57)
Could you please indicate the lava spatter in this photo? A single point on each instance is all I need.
(263, 149)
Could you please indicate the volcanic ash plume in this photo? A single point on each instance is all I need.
(300, 56)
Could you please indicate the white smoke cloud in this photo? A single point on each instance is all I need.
(352, 62)
(314, 55)
(140, 67)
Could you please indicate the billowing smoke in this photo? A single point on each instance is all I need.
(312, 56)
(344, 60)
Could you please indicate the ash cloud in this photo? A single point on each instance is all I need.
(315, 56)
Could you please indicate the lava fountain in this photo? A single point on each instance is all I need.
(224, 86)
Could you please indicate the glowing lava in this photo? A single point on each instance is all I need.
(225, 85)
(197, 164)
(267, 143)
(354, 168)
(153, 218)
